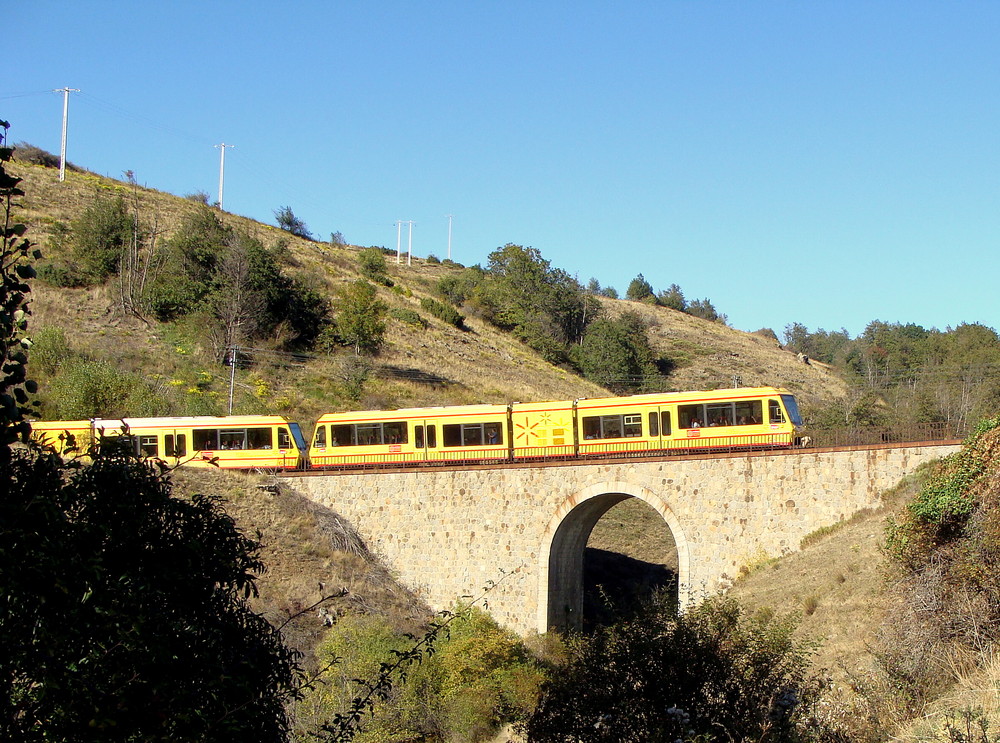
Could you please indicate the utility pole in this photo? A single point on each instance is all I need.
(222, 169)
(232, 375)
(399, 229)
(409, 248)
(450, 217)
(62, 148)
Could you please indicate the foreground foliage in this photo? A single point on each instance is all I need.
(124, 612)
(715, 673)
(945, 555)
(457, 684)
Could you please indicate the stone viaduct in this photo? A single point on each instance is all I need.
(448, 533)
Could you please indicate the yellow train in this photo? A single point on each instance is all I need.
(735, 419)
(231, 442)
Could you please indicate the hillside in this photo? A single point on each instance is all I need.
(416, 366)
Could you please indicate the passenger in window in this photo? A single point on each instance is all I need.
(695, 424)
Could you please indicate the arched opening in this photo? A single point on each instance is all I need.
(630, 555)
(565, 597)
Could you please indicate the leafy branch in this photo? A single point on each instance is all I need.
(344, 726)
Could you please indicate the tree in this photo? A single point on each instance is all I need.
(704, 309)
(543, 306)
(138, 257)
(713, 673)
(673, 298)
(616, 354)
(639, 289)
(360, 317)
(101, 235)
(290, 223)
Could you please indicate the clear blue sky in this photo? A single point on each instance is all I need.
(824, 163)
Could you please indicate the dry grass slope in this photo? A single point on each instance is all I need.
(437, 366)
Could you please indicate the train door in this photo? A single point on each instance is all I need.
(175, 446)
(658, 427)
(425, 441)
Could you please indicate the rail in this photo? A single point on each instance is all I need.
(594, 452)
(871, 436)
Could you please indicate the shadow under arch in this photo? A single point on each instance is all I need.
(560, 585)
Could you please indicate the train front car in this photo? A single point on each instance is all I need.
(736, 419)
(716, 420)
(468, 433)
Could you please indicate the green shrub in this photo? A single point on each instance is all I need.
(478, 677)
(100, 235)
(715, 673)
(89, 389)
(409, 317)
(443, 312)
(433, 260)
(49, 349)
(373, 266)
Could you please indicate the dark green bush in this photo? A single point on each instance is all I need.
(408, 316)
(373, 266)
(443, 312)
(100, 235)
(715, 673)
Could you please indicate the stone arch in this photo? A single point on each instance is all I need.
(560, 581)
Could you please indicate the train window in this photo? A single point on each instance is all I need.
(492, 432)
(654, 424)
(471, 434)
(175, 447)
(206, 439)
(665, 422)
(418, 437)
(774, 412)
(748, 413)
(342, 436)
(793, 409)
(319, 438)
(259, 438)
(691, 416)
(611, 426)
(394, 432)
(233, 438)
(719, 414)
(148, 446)
(369, 434)
(632, 425)
(284, 439)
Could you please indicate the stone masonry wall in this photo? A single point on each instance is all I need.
(450, 533)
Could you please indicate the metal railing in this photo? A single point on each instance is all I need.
(875, 435)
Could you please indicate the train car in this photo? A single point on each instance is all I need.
(411, 436)
(268, 442)
(742, 418)
(64, 437)
(543, 430)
